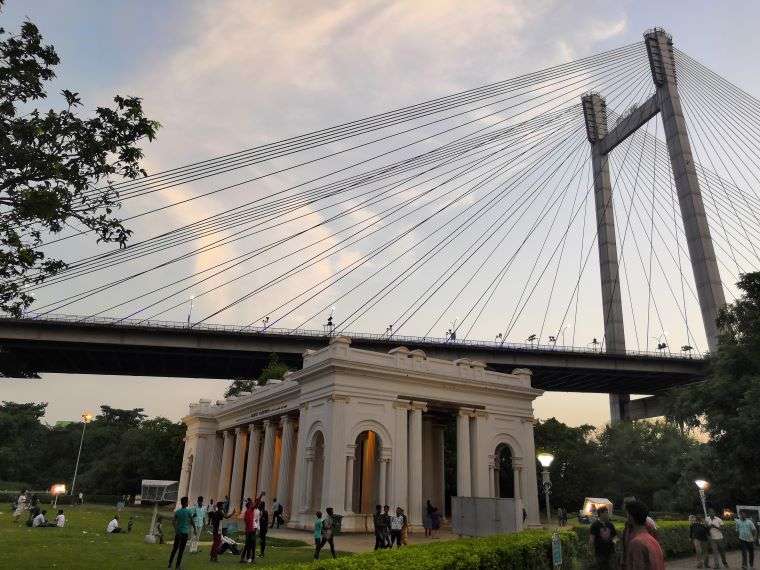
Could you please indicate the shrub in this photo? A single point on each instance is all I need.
(531, 550)
(673, 537)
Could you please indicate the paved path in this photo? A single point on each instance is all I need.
(734, 561)
(354, 542)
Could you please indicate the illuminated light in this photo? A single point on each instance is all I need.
(58, 489)
(702, 484)
(545, 459)
(87, 417)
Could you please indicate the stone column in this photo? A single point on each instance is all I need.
(350, 458)
(334, 470)
(440, 443)
(491, 479)
(286, 459)
(478, 462)
(224, 475)
(267, 455)
(415, 463)
(381, 498)
(400, 455)
(238, 464)
(306, 501)
(198, 474)
(519, 504)
(252, 466)
(464, 480)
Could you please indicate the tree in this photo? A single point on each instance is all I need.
(56, 168)
(575, 469)
(23, 439)
(274, 370)
(725, 406)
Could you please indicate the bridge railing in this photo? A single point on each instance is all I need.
(310, 333)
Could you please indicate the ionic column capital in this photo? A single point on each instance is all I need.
(466, 412)
(402, 404)
(419, 406)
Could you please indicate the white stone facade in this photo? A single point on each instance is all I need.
(355, 428)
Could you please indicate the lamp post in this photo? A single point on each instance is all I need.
(702, 485)
(86, 419)
(190, 309)
(545, 459)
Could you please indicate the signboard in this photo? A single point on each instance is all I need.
(556, 551)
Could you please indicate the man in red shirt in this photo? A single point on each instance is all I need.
(251, 526)
(643, 551)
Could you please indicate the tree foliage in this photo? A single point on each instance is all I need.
(56, 167)
(121, 447)
(274, 370)
(725, 407)
(654, 461)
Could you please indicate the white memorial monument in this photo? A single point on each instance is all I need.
(355, 428)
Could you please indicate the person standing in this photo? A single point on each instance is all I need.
(377, 522)
(251, 527)
(327, 532)
(405, 529)
(700, 539)
(643, 551)
(427, 519)
(215, 517)
(182, 520)
(745, 528)
(318, 523)
(602, 540)
(277, 510)
(385, 525)
(199, 521)
(714, 525)
(263, 526)
(436, 516)
(397, 525)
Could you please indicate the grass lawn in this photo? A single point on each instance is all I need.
(83, 543)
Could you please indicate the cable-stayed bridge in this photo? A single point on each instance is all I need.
(493, 213)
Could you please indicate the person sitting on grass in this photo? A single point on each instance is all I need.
(60, 519)
(113, 526)
(40, 521)
(228, 544)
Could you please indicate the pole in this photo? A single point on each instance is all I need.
(79, 454)
(704, 505)
(547, 491)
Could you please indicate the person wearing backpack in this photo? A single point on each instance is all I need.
(602, 539)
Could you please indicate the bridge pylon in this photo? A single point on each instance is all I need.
(667, 102)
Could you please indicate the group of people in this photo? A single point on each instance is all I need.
(390, 529)
(36, 516)
(640, 547)
(706, 535)
(190, 523)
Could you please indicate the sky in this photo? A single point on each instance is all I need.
(231, 74)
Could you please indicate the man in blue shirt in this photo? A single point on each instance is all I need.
(745, 528)
(183, 518)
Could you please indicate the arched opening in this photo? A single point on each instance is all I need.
(504, 472)
(317, 470)
(366, 488)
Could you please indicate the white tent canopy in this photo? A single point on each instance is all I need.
(159, 491)
(592, 504)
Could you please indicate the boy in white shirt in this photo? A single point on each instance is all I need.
(60, 519)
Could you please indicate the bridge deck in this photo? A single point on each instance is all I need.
(103, 346)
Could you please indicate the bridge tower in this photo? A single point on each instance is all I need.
(667, 102)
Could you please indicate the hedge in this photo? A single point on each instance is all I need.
(530, 550)
(673, 537)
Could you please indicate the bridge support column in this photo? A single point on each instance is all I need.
(595, 113)
(703, 261)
